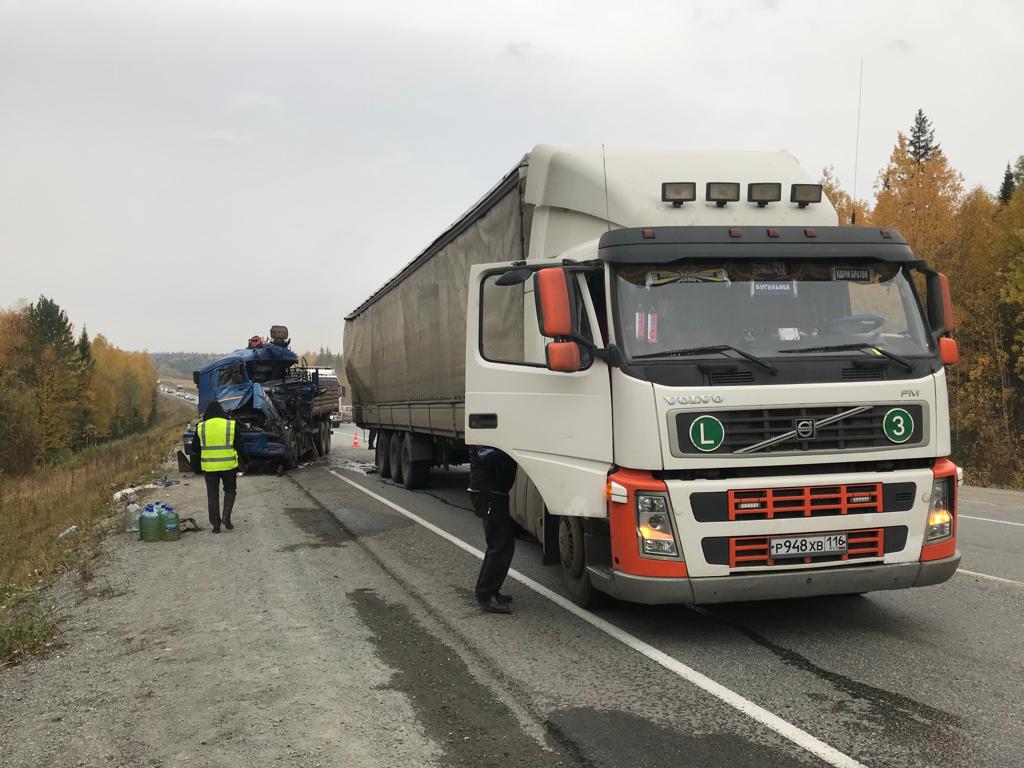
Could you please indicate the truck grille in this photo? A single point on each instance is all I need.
(747, 428)
(749, 551)
(740, 552)
(809, 501)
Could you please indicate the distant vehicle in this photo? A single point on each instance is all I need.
(342, 416)
(283, 409)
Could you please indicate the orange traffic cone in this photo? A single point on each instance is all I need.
(355, 439)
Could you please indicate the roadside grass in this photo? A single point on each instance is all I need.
(36, 508)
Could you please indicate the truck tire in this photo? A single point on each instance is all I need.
(320, 440)
(395, 456)
(328, 432)
(574, 564)
(381, 456)
(291, 450)
(414, 473)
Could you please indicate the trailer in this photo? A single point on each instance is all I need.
(711, 390)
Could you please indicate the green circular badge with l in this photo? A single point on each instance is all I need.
(706, 433)
(898, 425)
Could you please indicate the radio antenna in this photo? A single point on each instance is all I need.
(856, 146)
(607, 214)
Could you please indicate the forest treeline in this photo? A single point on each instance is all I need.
(977, 239)
(59, 393)
(180, 365)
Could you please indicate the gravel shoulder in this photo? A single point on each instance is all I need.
(278, 643)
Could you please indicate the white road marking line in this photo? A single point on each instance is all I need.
(990, 578)
(990, 520)
(787, 730)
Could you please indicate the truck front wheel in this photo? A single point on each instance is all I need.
(574, 564)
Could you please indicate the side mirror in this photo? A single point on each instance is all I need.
(563, 356)
(554, 305)
(949, 351)
(940, 304)
(195, 378)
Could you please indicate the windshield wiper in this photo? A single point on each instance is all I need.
(850, 347)
(707, 350)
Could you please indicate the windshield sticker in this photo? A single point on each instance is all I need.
(773, 288)
(665, 276)
(855, 274)
(789, 334)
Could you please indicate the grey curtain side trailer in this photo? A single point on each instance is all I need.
(405, 346)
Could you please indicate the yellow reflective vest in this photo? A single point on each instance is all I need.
(216, 442)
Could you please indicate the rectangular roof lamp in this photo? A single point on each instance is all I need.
(804, 194)
(764, 193)
(722, 192)
(678, 192)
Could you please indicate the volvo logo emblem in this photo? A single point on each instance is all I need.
(805, 429)
(692, 399)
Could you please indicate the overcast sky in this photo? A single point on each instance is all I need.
(181, 175)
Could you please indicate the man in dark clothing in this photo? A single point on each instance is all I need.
(217, 450)
(492, 474)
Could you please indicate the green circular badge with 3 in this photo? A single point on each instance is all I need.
(898, 425)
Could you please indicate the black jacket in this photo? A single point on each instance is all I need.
(214, 411)
(490, 470)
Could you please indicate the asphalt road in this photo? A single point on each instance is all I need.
(922, 677)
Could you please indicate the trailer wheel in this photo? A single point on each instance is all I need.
(327, 437)
(574, 564)
(414, 473)
(381, 455)
(395, 456)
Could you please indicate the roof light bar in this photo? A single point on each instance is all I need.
(804, 194)
(764, 193)
(722, 192)
(678, 192)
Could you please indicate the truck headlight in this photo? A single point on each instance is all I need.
(655, 525)
(940, 512)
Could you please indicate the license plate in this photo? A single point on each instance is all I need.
(781, 547)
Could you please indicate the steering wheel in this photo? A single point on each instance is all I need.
(855, 323)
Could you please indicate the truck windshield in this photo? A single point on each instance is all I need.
(768, 307)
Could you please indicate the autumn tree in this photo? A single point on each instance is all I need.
(850, 212)
(919, 198)
(982, 387)
(49, 358)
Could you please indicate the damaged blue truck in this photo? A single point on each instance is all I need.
(283, 409)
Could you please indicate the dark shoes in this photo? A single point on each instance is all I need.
(228, 525)
(503, 598)
(216, 529)
(494, 604)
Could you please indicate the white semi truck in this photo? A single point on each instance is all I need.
(712, 392)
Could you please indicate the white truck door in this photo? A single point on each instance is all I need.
(557, 426)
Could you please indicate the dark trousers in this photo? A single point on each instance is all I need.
(500, 534)
(213, 481)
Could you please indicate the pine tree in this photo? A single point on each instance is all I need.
(922, 138)
(1018, 172)
(83, 429)
(1008, 186)
(51, 362)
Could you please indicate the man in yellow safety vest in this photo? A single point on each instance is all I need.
(217, 450)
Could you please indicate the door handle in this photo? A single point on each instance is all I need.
(483, 421)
